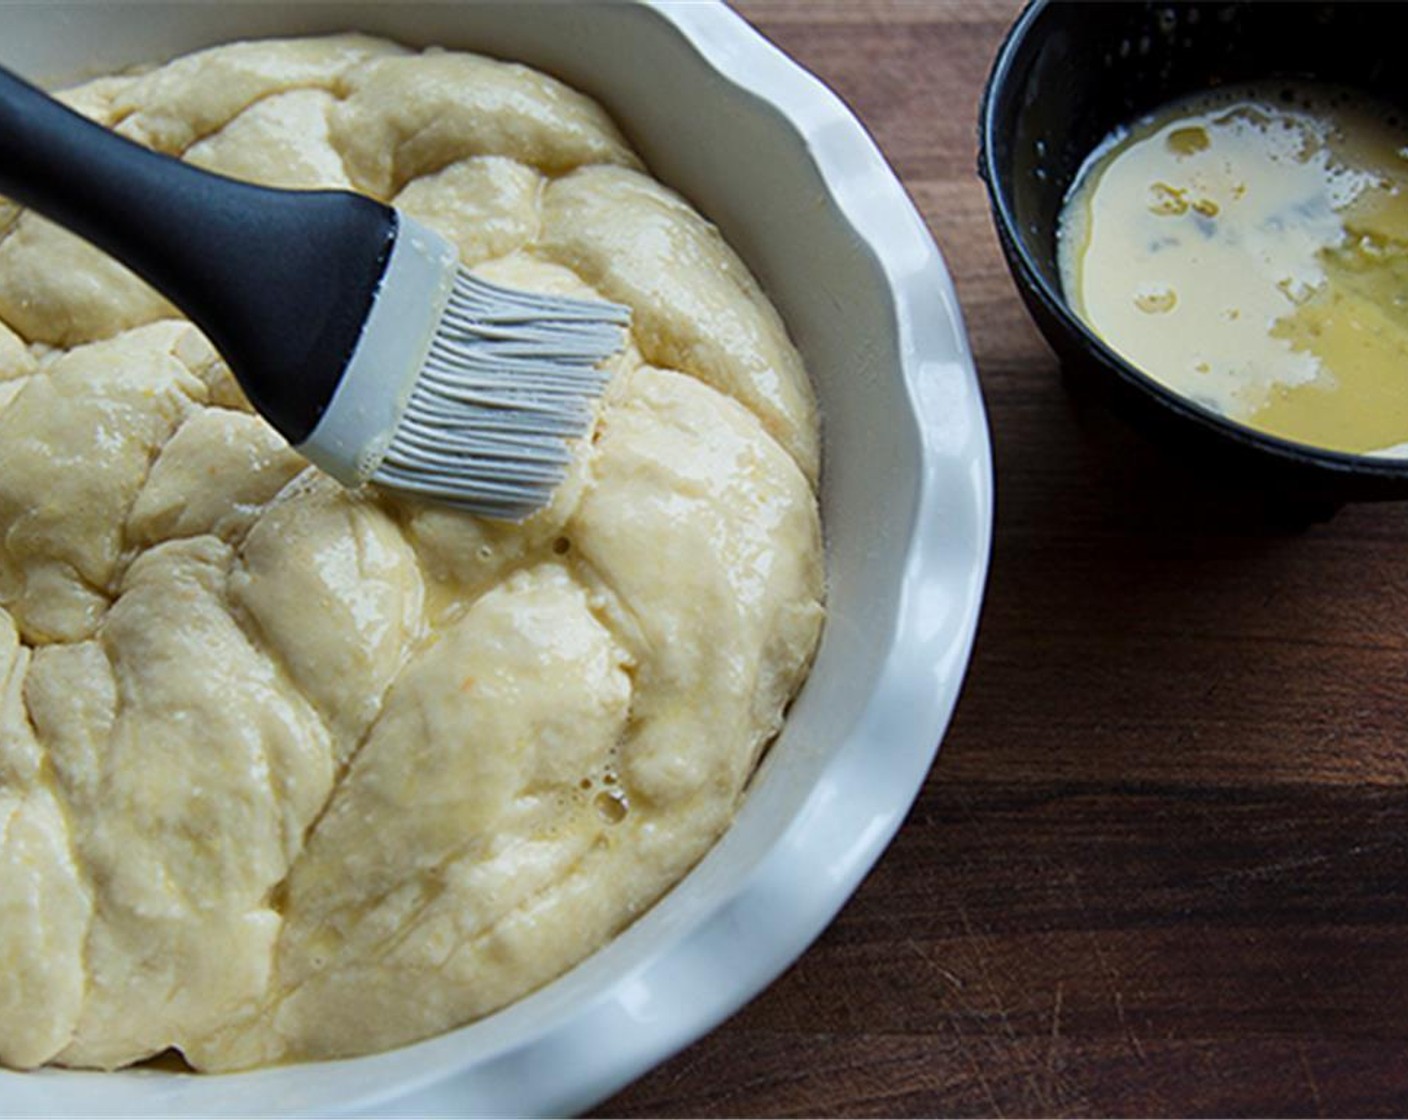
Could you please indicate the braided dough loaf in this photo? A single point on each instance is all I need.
(291, 773)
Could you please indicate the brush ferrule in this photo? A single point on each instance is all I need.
(360, 421)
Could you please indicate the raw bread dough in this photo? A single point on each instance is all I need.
(288, 772)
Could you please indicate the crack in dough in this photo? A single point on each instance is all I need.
(191, 98)
(76, 445)
(408, 117)
(696, 306)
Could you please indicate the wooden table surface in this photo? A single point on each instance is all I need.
(1161, 865)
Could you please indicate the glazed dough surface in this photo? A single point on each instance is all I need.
(291, 773)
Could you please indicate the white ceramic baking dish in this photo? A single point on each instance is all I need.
(801, 191)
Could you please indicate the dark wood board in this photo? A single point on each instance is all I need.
(1161, 866)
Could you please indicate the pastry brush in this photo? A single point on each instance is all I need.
(351, 327)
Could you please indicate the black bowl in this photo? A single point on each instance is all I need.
(1067, 75)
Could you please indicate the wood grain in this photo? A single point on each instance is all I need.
(1161, 866)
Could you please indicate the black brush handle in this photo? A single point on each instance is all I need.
(280, 281)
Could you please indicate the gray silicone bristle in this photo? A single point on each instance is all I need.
(511, 378)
